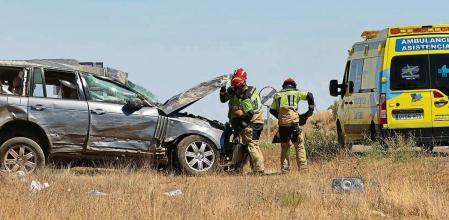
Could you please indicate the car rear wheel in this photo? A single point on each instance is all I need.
(197, 155)
(21, 154)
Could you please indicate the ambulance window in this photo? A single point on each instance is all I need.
(369, 74)
(409, 72)
(355, 74)
(345, 76)
(439, 70)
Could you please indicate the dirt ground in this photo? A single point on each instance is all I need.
(395, 187)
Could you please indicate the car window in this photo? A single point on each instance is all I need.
(439, 71)
(101, 90)
(355, 74)
(58, 85)
(148, 95)
(12, 81)
(409, 72)
(37, 88)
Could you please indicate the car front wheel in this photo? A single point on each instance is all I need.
(197, 155)
(21, 154)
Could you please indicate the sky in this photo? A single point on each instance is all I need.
(170, 46)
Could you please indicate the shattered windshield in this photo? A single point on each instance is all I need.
(101, 90)
(148, 95)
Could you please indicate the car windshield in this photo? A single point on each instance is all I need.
(148, 95)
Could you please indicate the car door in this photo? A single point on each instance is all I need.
(110, 128)
(439, 71)
(58, 105)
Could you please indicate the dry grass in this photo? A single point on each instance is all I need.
(415, 186)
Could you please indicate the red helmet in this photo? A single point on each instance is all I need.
(289, 83)
(237, 82)
(241, 73)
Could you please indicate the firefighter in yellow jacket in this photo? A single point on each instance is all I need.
(248, 123)
(285, 109)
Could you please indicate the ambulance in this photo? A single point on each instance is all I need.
(396, 81)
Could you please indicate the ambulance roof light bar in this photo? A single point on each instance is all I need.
(419, 30)
(369, 34)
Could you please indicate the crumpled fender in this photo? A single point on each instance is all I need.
(185, 125)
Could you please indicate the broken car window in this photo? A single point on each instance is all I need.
(11, 81)
(102, 90)
(148, 95)
(61, 85)
(37, 89)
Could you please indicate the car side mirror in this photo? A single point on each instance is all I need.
(336, 89)
(68, 84)
(132, 106)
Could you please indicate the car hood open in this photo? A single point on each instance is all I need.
(185, 99)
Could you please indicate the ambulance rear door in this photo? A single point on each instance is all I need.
(409, 96)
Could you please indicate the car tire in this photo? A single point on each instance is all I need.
(197, 155)
(21, 154)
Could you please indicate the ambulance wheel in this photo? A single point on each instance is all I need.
(340, 137)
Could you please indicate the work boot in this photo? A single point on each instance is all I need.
(303, 169)
(285, 170)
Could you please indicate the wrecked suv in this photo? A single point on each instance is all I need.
(66, 109)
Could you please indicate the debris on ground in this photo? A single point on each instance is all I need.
(173, 193)
(95, 192)
(21, 175)
(347, 184)
(38, 186)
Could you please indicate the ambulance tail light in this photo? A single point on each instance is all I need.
(437, 94)
(382, 109)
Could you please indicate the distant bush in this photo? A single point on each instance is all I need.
(320, 145)
(397, 148)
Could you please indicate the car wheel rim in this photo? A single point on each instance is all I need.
(20, 158)
(200, 156)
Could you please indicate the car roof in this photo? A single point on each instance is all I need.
(71, 65)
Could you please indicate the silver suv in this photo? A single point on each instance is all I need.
(66, 109)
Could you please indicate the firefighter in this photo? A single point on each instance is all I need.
(247, 122)
(228, 94)
(285, 109)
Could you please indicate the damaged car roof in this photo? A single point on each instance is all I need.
(175, 104)
(71, 65)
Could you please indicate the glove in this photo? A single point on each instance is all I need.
(309, 112)
(223, 89)
(303, 119)
(230, 91)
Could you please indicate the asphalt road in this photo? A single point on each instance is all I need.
(366, 148)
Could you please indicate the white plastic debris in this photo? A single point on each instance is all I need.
(347, 184)
(177, 192)
(38, 186)
(95, 192)
(20, 174)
